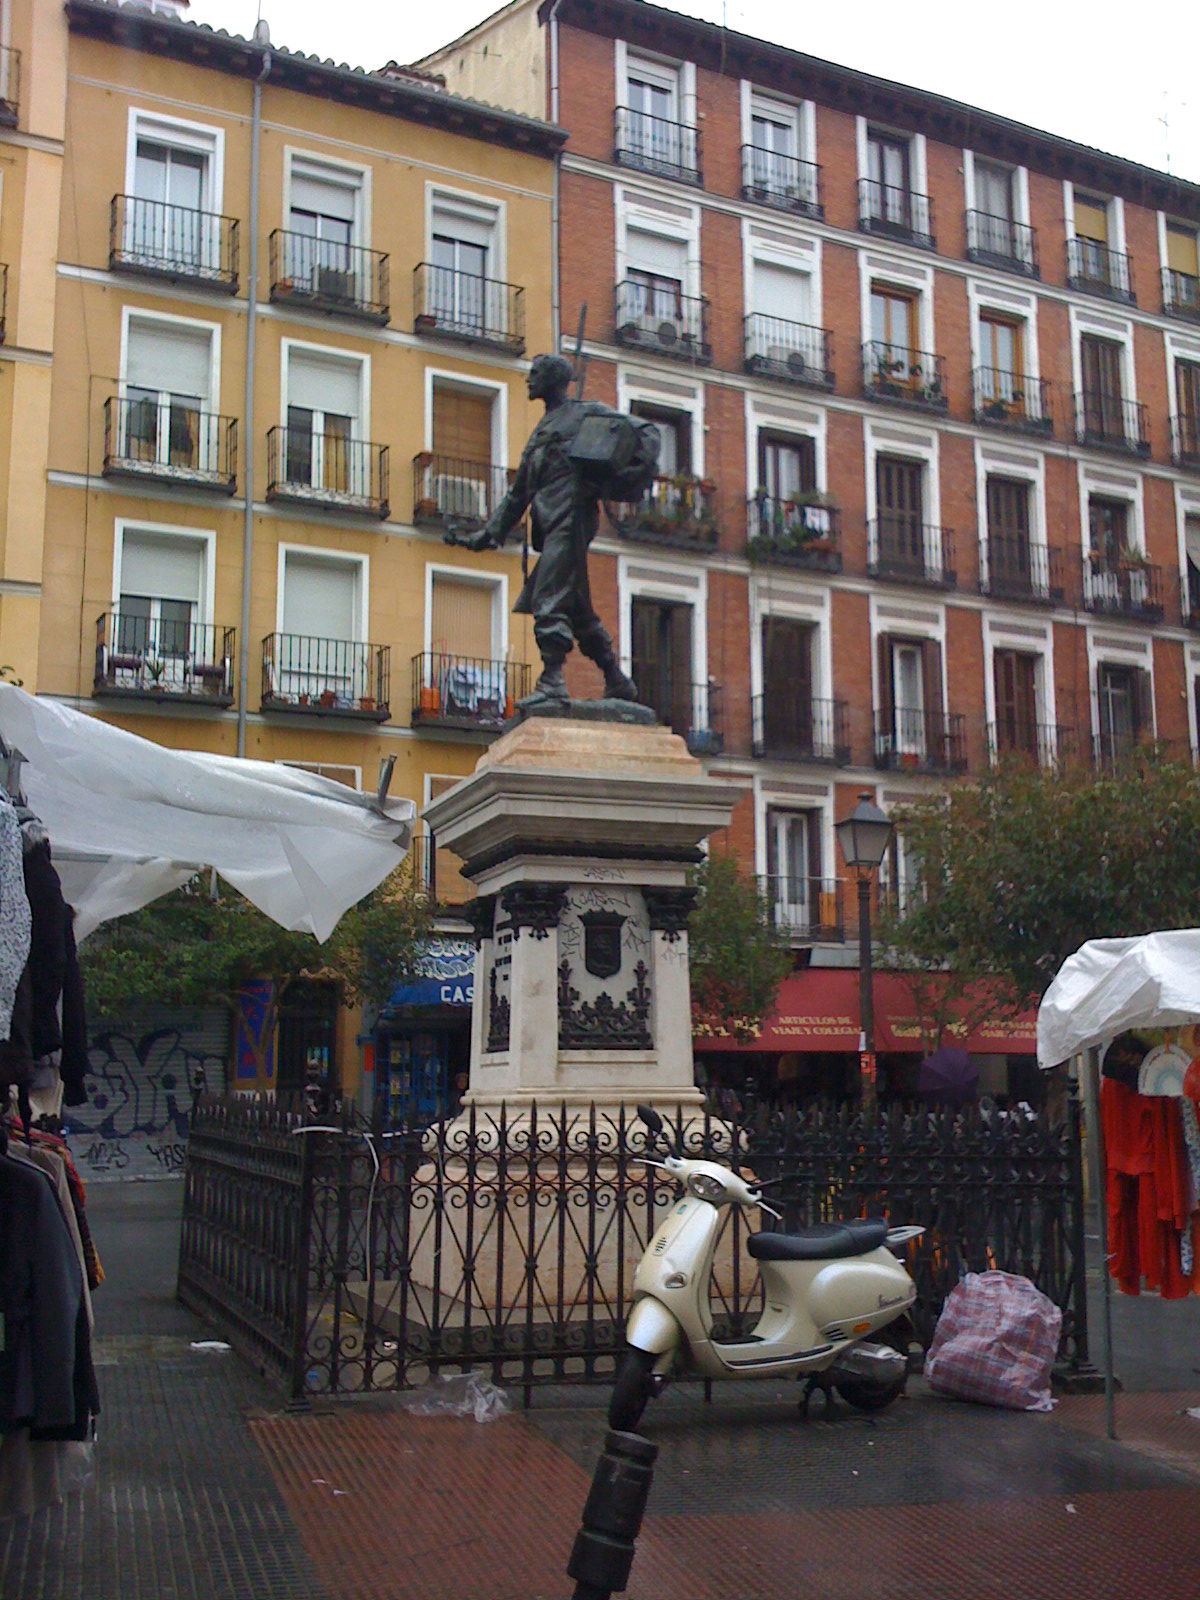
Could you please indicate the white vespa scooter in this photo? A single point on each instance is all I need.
(827, 1289)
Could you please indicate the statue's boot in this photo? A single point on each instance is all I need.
(618, 685)
(550, 689)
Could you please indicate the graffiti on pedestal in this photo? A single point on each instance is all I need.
(141, 1084)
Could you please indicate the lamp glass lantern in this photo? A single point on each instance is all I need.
(864, 835)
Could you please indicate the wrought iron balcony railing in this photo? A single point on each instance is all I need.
(793, 351)
(920, 741)
(1012, 567)
(451, 493)
(469, 692)
(1111, 746)
(148, 657)
(1109, 422)
(326, 677)
(808, 909)
(1095, 269)
(157, 240)
(10, 86)
(438, 872)
(648, 317)
(781, 181)
(327, 469)
(816, 730)
(1185, 440)
(692, 710)
(326, 275)
(705, 732)
(1180, 294)
(678, 511)
(999, 242)
(655, 144)
(906, 551)
(1012, 400)
(1044, 744)
(169, 441)
(800, 532)
(1189, 596)
(903, 377)
(448, 304)
(1130, 587)
(895, 213)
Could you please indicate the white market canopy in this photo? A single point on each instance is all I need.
(1109, 985)
(130, 820)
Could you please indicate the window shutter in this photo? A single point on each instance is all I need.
(680, 623)
(162, 567)
(460, 620)
(322, 383)
(887, 690)
(931, 675)
(167, 359)
(1143, 704)
(462, 425)
(320, 598)
(325, 196)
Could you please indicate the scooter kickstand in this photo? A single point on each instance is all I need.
(815, 1381)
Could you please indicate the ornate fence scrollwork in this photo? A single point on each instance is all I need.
(509, 1241)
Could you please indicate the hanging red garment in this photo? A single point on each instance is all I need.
(1146, 1190)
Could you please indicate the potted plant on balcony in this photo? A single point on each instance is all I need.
(1133, 559)
(366, 702)
(328, 699)
(154, 671)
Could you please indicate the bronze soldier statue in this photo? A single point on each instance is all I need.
(564, 492)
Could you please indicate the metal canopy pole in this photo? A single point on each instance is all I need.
(1098, 1167)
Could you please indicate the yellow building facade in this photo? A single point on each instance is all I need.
(290, 308)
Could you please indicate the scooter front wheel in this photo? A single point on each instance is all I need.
(632, 1389)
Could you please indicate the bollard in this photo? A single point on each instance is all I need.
(616, 1503)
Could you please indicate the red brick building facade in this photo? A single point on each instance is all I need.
(929, 382)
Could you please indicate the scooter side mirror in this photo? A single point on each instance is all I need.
(651, 1119)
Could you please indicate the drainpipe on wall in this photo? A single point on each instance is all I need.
(555, 292)
(262, 37)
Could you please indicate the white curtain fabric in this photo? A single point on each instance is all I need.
(129, 820)
(1109, 985)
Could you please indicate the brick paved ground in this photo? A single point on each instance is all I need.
(205, 1490)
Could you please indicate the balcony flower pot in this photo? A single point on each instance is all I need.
(510, 707)
(910, 760)
(424, 322)
(304, 699)
(328, 699)
(430, 702)
(366, 703)
(125, 663)
(426, 510)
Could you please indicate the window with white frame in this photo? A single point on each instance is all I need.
(910, 727)
(173, 186)
(652, 295)
(997, 230)
(161, 604)
(776, 168)
(320, 655)
(464, 678)
(651, 131)
(166, 420)
(325, 449)
(1181, 268)
(1096, 259)
(796, 889)
(459, 477)
(1191, 555)
(1124, 707)
(461, 291)
(780, 332)
(324, 224)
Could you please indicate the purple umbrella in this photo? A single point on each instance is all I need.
(949, 1075)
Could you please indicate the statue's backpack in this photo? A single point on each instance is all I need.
(618, 453)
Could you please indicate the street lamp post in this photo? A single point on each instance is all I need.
(864, 837)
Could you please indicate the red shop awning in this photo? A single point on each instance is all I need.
(818, 1010)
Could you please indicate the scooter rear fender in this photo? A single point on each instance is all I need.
(652, 1328)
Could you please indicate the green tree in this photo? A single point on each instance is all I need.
(737, 958)
(1014, 872)
(195, 948)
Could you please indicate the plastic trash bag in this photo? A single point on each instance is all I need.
(460, 1394)
(995, 1342)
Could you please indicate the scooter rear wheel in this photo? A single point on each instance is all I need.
(865, 1396)
(632, 1389)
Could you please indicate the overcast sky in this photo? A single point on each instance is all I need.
(1112, 75)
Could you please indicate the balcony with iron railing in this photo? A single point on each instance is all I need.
(781, 181)
(810, 910)
(903, 377)
(656, 144)
(903, 550)
(665, 323)
(326, 275)
(1013, 567)
(705, 731)
(438, 873)
(1189, 596)
(448, 304)
(326, 677)
(10, 86)
(169, 441)
(1113, 745)
(792, 351)
(1180, 294)
(994, 241)
(1185, 440)
(814, 730)
(679, 512)
(920, 741)
(894, 213)
(466, 692)
(327, 469)
(1042, 744)
(1129, 587)
(1095, 269)
(1106, 421)
(1012, 400)
(142, 657)
(692, 710)
(156, 240)
(801, 531)
(456, 495)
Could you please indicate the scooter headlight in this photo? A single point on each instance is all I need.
(705, 1187)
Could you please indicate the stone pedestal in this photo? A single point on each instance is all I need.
(579, 832)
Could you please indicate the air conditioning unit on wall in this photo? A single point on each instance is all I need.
(459, 497)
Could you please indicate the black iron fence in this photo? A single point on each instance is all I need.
(176, 242)
(328, 275)
(343, 1258)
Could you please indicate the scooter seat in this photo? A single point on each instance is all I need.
(824, 1241)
